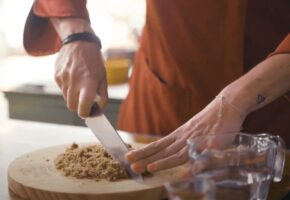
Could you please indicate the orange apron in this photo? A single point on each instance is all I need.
(189, 51)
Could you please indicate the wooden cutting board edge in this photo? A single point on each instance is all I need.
(14, 196)
(19, 192)
(26, 192)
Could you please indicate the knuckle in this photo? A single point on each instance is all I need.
(170, 139)
(183, 154)
(65, 75)
(179, 155)
(160, 165)
(57, 77)
(155, 145)
(59, 83)
(73, 75)
(141, 152)
(144, 162)
(71, 106)
(165, 153)
(61, 75)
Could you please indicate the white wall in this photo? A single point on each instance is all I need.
(112, 20)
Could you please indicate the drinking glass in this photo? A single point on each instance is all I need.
(197, 189)
(240, 164)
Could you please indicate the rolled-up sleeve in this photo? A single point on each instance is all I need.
(40, 38)
(283, 47)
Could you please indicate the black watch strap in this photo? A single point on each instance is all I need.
(83, 36)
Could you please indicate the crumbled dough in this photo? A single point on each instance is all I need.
(91, 162)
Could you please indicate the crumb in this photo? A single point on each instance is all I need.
(90, 162)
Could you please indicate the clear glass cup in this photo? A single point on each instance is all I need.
(240, 164)
(197, 189)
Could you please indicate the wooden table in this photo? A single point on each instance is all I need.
(19, 137)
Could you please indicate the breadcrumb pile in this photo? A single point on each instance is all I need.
(89, 162)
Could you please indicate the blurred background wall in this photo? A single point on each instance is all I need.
(117, 22)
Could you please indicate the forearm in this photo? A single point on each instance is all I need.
(68, 26)
(266, 82)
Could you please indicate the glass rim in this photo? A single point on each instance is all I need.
(190, 142)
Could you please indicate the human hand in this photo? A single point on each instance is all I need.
(79, 67)
(80, 73)
(218, 117)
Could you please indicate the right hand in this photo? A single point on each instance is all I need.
(218, 117)
(80, 74)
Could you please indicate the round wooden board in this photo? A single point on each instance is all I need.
(33, 176)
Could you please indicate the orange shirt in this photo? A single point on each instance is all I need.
(190, 50)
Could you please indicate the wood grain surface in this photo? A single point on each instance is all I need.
(33, 176)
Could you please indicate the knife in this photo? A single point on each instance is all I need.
(109, 138)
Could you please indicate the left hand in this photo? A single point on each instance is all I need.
(172, 150)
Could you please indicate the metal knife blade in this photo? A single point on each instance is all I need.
(111, 141)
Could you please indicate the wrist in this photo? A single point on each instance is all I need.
(237, 98)
(68, 26)
(261, 85)
(82, 36)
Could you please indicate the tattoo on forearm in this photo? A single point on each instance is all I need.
(260, 99)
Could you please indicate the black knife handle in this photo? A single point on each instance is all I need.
(95, 110)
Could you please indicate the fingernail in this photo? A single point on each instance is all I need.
(129, 156)
(151, 167)
(136, 167)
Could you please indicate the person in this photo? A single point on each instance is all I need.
(189, 51)
(225, 114)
